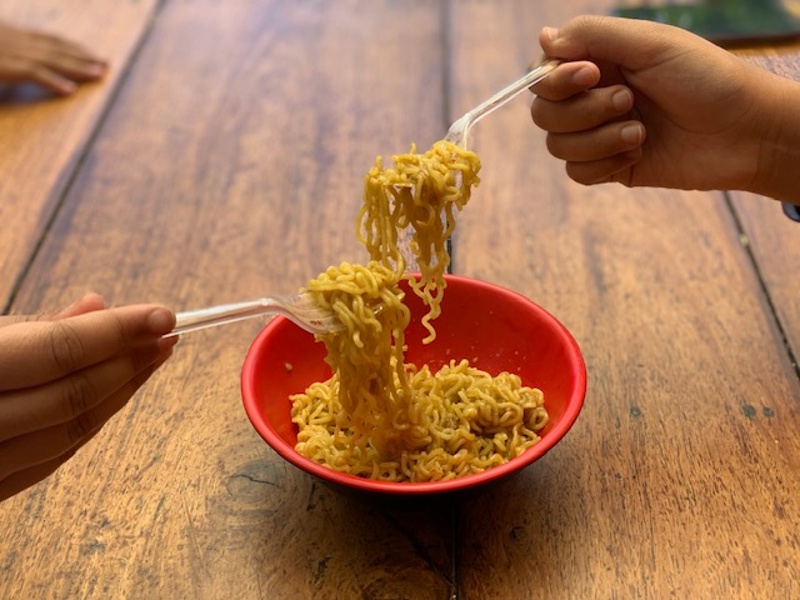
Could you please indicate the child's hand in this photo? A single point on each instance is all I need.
(646, 104)
(48, 60)
(63, 377)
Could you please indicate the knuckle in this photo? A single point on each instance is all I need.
(80, 394)
(81, 427)
(120, 333)
(67, 350)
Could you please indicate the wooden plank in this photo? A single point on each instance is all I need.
(770, 235)
(183, 198)
(680, 478)
(41, 139)
(230, 166)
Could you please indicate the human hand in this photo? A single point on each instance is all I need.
(646, 104)
(45, 59)
(63, 377)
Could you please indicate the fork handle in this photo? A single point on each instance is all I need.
(531, 78)
(203, 318)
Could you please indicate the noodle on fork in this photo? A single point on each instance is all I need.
(378, 416)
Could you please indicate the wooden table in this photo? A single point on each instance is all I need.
(223, 157)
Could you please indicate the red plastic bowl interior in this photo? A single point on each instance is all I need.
(495, 328)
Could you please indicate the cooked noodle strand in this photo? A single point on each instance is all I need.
(377, 416)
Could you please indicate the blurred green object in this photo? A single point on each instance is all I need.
(722, 21)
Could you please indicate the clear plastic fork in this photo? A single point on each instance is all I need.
(459, 130)
(300, 309)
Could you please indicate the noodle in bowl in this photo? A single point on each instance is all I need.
(495, 329)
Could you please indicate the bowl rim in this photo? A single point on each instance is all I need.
(573, 407)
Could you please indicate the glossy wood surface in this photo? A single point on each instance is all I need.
(223, 158)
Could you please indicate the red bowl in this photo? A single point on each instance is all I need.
(495, 328)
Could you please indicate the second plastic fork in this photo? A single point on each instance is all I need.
(459, 130)
(300, 309)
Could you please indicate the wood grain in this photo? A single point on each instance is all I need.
(680, 477)
(769, 235)
(43, 139)
(224, 171)
(229, 164)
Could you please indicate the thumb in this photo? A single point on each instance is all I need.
(633, 44)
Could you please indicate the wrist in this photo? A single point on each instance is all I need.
(779, 147)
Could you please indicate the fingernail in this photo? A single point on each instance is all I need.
(166, 344)
(551, 33)
(583, 77)
(92, 296)
(161, 321)
(632, 133)
(67, 87)
(622, 100)
(97, 69)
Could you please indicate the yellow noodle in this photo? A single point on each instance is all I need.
(422, 192)
(377, 416)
